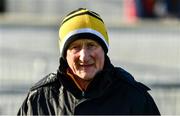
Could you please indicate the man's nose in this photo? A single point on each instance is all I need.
(84, 55)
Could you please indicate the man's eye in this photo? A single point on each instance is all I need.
(91, 45)
(75, 47)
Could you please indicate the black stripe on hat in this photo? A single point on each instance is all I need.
(87, 12)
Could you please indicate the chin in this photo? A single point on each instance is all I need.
(87, 77)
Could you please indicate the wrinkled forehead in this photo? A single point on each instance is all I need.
(84, 41)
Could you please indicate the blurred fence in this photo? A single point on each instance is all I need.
(151, 54)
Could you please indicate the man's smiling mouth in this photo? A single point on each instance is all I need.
(85, 66)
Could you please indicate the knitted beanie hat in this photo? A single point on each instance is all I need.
(79, 24)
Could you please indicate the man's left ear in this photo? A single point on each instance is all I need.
(106, 61)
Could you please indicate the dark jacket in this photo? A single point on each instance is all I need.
(112, 91)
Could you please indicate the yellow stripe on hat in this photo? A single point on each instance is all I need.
(83, 21)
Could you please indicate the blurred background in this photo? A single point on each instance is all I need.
(144, 40)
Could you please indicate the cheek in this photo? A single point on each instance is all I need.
(100, 59)
(101, 62)
(71, 60)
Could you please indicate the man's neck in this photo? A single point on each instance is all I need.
(80, 83)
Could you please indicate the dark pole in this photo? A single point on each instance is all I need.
(2, 6)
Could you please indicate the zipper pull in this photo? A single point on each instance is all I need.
(83, 93)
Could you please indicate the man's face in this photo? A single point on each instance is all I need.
(85, 57)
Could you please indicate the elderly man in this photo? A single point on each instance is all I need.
(86, 81)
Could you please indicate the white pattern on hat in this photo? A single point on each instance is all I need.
(79, 31)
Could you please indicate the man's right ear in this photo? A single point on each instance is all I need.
(63, 64)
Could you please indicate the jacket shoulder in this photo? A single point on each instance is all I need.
(129, 79)
(48, 79)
